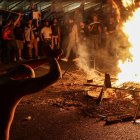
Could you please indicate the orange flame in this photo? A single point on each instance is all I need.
(130, 70)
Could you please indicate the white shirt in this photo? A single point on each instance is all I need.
(46, 32)
(28, 32)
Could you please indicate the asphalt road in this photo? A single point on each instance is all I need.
(35, 119)
(51, 123)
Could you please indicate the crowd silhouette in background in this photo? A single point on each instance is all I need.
(30, 40)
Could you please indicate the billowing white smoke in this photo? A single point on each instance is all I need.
(84, 61)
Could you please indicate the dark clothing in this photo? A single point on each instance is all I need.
(111, 27)
(19, 33)
(9, 51)
(55, 36)
(0, 40)
(54, 30)
(94, 26)
(47, 46)
(83, 32)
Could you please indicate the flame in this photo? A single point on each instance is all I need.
(127, 3)
(130, 70)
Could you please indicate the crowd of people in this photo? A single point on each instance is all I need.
(33, 40)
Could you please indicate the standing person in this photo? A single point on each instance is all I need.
(64, 34)
(73, 40)
(112, 9)
(83, 33)
(19, 36)
(46, 37)
(55, 34)
(31, 39)
(95, 32)
(78, 17)
(111, 36)
(9, 41)
(0, 41)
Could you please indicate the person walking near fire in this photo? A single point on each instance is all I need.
(73, 40)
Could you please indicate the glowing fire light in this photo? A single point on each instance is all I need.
(130, 70)
(127, 3)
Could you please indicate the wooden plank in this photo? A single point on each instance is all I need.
(121, 88)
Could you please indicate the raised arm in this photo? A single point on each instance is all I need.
(17, 20)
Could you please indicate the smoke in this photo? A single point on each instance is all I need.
(84, 61)
(95, 62)
(105, 58)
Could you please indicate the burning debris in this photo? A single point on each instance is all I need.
(111, 109)
(102, 100)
